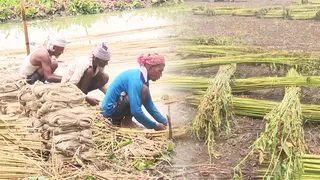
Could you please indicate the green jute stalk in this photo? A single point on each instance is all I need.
(282, 141)
(215, 106)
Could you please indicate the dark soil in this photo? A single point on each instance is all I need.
(191, 156)
(295, 35)
(276, 34)
(312, 138)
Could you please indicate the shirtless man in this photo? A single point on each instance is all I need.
(88, 73)
(39, 65)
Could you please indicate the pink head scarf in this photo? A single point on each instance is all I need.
(151, 59)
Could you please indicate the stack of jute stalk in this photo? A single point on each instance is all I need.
(216, 50)
(258, 108)
(57, 112)
(215, 41)
(279, 149)
(215, 106)
(129, 150)
(118, 153)
(303, 61)
(124, 153)
(301, 12)
(311, 167)
(239, 85)
(136, 151)
(18, 147)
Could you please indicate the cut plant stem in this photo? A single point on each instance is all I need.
(215, 106)
(282, 142)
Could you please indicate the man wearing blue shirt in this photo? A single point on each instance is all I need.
(130, 90)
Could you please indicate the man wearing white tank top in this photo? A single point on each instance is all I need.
(39, 65)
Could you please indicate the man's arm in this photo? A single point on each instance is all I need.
(47, 71)
(134, 94)
(104, 89)
(153, 111)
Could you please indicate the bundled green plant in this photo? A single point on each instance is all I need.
(215, 106)
(280, 147)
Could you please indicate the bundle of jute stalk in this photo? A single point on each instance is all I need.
(216, 51)
(126, 153)
(223, 42)
(303, 61)
(9, 88)
(279, 149)
(239, 85)
(19, 149)
(215, 106)
(301, 12)
(259, 108)
(59, 115)
(311, 167)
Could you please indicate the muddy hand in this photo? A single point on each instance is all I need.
(92, 101)
(160, 127)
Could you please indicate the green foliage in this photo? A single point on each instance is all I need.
(84, 7)
(122, 5)
(170, 146)
(166, 2)
(10, 9)
(6, 14)
(90, 178)
(4, 3)
(87, 177)
(32, 12)
(141, 165)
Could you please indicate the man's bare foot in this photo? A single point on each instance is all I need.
(129, 124)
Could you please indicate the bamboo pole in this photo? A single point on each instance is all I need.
(25, 26)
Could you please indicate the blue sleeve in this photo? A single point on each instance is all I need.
(104, 106)
(153, 111)
(134, 93)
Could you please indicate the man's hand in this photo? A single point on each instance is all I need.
(160, 127)
(92, 101)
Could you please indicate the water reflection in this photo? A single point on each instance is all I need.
(12, 35)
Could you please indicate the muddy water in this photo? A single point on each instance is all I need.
(84, 32)
(12, 35)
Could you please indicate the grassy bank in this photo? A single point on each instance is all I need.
(10, 10)
(294, 12)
